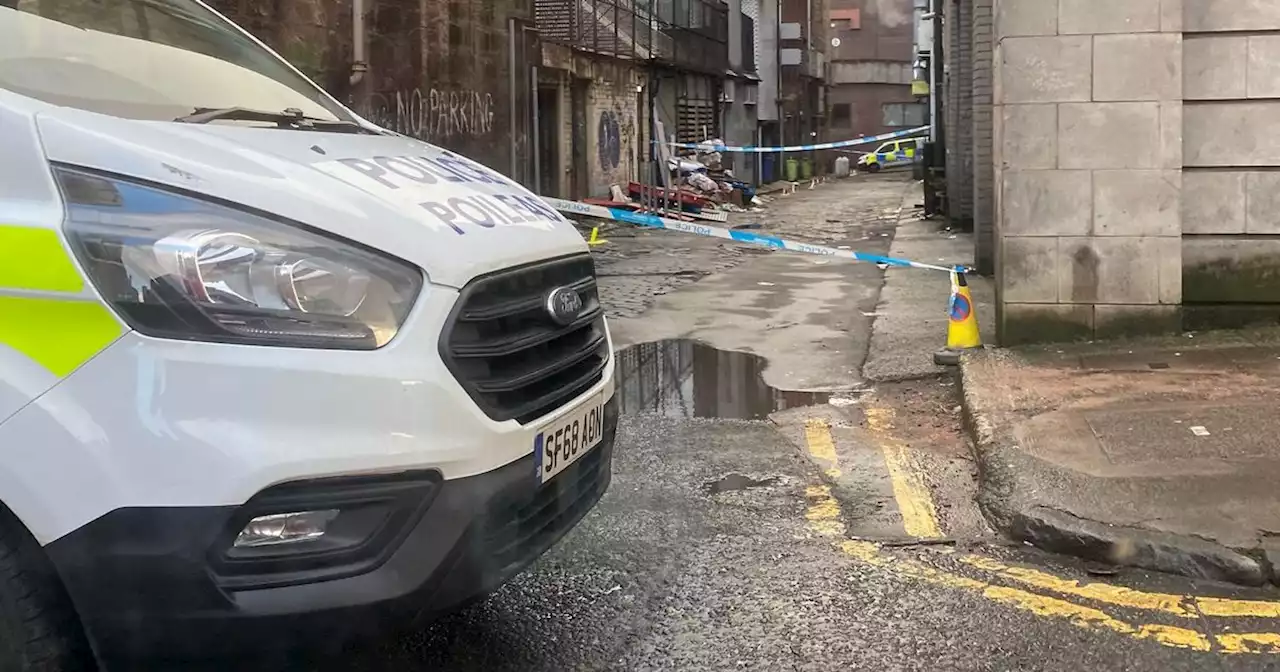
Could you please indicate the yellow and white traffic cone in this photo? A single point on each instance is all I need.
(962, 322)
(595, 238)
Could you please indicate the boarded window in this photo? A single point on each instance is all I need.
(842, 115)
(903, 114)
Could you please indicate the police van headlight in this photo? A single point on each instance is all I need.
(177, 266)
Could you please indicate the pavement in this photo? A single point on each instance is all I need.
(911, 314)
(774, 507)
(1158, 453)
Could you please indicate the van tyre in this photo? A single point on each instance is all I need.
(39, 630)
(873, 168)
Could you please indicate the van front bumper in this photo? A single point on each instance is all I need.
(152, 583)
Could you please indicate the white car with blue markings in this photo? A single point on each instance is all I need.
(268, 374)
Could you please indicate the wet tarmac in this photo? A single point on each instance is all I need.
(733, 482)
(680, 378)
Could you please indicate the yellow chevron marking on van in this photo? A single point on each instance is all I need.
(59, 335)
(35, 259)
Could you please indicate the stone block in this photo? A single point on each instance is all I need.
(1046, 202)
(1213, 202)
(1214, 67)
(1171, 16)
(1230, 270)
(1137, 202)
(1230, 134)
(1262, 214)
(1029, 270)
(1045, 69)
(1023, 137)
(1229, 316)
(1024, 323)
(1169, 263)
(1021, 18)
(1204, 16)
(1109, 135)
(1137, 67)
(1170, 150)
(1108, 270)
(1107, 16)
(1121, 321)
(1264, 66)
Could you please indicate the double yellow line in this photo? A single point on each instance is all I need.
(920, 520)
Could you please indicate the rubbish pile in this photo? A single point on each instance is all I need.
(702, 189)
(706, 175)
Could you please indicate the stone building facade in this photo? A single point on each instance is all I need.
(1132, 164)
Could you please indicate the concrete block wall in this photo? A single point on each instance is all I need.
(1231, 212)
(1087, 151)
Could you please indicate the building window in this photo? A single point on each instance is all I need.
(841, 115)
(903, 114)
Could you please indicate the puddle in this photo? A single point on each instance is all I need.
(686, 379)
(737, 482)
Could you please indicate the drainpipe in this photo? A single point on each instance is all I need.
(937, 66)
(359, 66)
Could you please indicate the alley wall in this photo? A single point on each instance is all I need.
(1231, 190)
(438, 71)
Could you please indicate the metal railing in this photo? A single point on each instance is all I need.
(692, 34)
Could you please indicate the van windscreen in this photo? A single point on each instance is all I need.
(145, 59)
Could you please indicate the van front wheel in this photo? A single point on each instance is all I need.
(39, 630)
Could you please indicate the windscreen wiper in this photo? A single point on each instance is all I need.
(289, 118)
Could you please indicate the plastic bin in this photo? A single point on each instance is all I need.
(793, 170)
(842, 166)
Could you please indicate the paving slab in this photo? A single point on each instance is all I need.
(911, 314)
(1163, 453)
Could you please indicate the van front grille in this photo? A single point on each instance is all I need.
(510, 355)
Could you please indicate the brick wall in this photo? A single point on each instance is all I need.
(960, 139)
(951, 87)
(865, 101)
(612, 127)
(983, 23)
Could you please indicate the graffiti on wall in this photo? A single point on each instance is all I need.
(615, 142)
(609, 141)
(437, 114)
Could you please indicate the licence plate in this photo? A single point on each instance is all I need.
(562, 442)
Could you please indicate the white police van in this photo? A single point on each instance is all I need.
(267, 372)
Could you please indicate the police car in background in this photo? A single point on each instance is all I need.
(892, 154)
(267, 372)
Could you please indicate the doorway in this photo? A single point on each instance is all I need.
(578, 142)
(549, 170)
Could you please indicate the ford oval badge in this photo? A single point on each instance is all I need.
(563, 305)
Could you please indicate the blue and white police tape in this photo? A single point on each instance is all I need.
(653, 221)
(751, 149)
